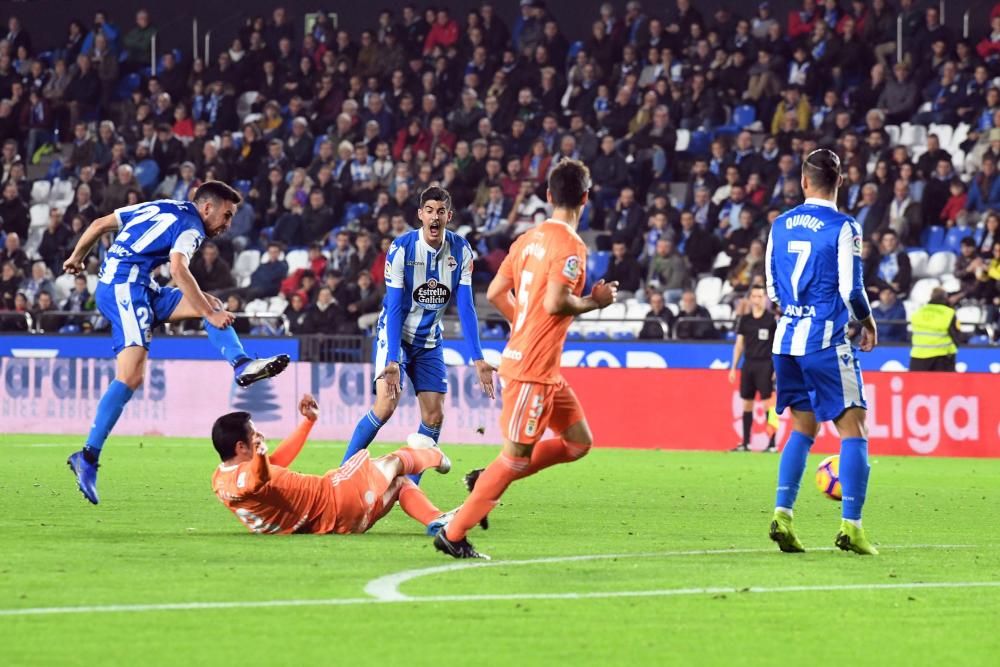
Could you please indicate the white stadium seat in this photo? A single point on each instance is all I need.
(61, 193)
(256, 306)
(910, 307)
(40, 192)
(63, 286)
(918, 263)
(39, 215)
(722, 311)
(958, 137)
(615, 311)
(921, 292)
(683, 140)
(709, 291)
(969, 317)
(893, 132)
(913, 135)
(722, 261)
(297, 259)
(246, 263)
(941, 263)
(950, 283)
(636, 311)
(277, 304)
(943, 132)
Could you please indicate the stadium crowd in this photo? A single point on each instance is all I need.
(693, 127)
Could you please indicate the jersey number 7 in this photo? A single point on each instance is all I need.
(801, 250)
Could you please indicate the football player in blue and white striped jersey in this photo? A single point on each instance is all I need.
(814, 275)
(424, 270)
(147, 236)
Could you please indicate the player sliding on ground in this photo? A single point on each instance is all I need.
(424, 270)
(814, 274)
(269, 498)
(545, 270)
(147, 236)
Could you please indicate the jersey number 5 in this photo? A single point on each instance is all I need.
(523, 294)
(801, 250)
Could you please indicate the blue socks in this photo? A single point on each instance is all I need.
(854, 471)
(791, 467)
(433, 434)
(227, 343)
(108, 411)
(364, 433)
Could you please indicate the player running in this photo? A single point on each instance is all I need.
(754, 334)
(545, 270)
(269, 498)
(424, 269)
(147, 236)
(814, 274)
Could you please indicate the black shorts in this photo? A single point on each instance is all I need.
(755, 377)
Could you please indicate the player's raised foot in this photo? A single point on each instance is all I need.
(852, 538)
(783, 533)
(86, 475)
(458, 548)
(440, 523)
(742, 447)
(470, 479)
(421, 441)
(254, 370)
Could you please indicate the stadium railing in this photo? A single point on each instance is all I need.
(11, 321)
(342, 348)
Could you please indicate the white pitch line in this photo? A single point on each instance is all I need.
(387, 593)
(386, 588)
(668, 592)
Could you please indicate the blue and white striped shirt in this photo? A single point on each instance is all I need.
(149, 233)
(814, 274)
(424, 280)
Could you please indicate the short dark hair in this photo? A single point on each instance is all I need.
(435, 193)
(757, 286)
(228, 430)
(822, 168)
(569, 182)
(218, 191)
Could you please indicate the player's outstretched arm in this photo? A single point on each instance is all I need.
(181, 273)
(291, 446)
(560, 300)
(74, 264)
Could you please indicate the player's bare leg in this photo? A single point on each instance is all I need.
(129, 373)
(246, 370)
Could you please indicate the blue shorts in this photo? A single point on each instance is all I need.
(134, 310)
(825, 382)
(423, 365)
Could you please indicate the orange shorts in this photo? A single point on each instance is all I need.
(362, 494)
(529, 408)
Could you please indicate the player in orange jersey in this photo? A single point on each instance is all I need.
(545, 270)
(269, 498)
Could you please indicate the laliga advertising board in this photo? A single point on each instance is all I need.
(909, 413)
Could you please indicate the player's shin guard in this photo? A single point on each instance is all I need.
(854, 471)
(364, 433)
(108, 411)
(790, 469)
(415, 503)
(551, 452)
(432, 432)
(489, 487)
(227, 343)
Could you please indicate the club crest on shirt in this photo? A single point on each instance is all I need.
(432, 295)
(452, 263)
(856, 246)
(572, 267)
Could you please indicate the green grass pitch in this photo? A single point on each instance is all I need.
(695, 580)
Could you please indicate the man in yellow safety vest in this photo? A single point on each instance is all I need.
(935, 335)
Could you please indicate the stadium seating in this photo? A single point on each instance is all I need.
(708, 291)
(40, 191)
(616, 311)
(920, 294)
(744, 115)
(246, 263)
(940, 263)
(297, 259)
(969, 318)
(147, 173)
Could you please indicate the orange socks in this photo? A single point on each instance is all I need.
(490, 486)
(413, 501)
(415, 461)
(550, 452)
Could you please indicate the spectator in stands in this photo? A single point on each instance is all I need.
(693, 321)
(83, 93)
(43, 306)
(624, 222)
(698, 245)
(903, 216)
(624, 268)
(748, 268)
(894, 270)
(297, 315)
(234, 304)
(53, 248)
(969, 265)
(82, 206)
(343, 256)
(326, 316)
(669, 270)
(9, 285)
(266, 280)
(37, 282)
(363, 298)
(900, 97)
(659, 321)
(891, 317)
(984, 190)
(14, 212)
(79, 300)
(988, 234)
(212, 272)
(954, 212)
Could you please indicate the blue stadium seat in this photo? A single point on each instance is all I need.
(55, 170)
(243, 185)
(623, 335)
(744, 115)
(355, 211)
(147, 173)
(127, 85)
(316, 144)
(701, 143)
(585, 216)
(953, 239)
(573, 335)
(933, 239)
(597, 264)
(574, 49)
(981, 339)
(595, 335)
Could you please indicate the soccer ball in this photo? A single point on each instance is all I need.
(828, 477)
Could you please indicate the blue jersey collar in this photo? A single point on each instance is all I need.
(816, 201)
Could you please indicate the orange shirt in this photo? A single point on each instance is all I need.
(551, 252)
(269, 498)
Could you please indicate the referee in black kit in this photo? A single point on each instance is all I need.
(754, 336)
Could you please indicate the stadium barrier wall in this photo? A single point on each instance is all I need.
(910, 413)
